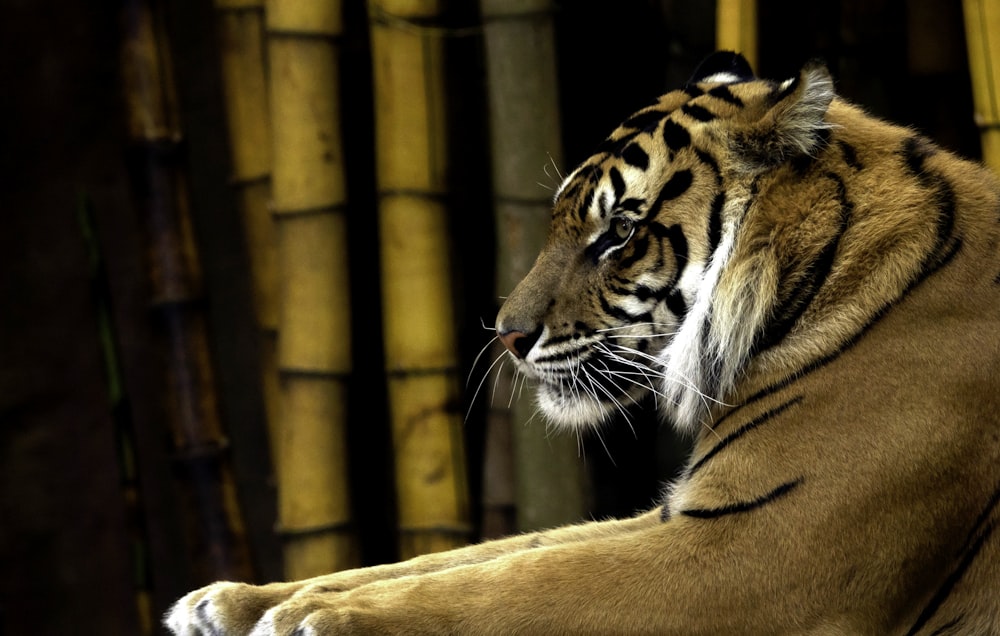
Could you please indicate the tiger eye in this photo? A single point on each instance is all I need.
(621, 227)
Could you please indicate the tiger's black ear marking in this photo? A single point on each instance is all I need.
(723, 63)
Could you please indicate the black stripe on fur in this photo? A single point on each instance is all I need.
(947, 246)
(697, 112)
(644, 120)
(742, 506)
(715, 222)
(944, 591)
(677, 185)
(761, 419)
(796, 303)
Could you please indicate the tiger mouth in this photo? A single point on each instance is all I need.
(592, 390)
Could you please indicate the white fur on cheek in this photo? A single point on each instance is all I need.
(685, 359)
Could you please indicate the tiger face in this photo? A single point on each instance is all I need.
(620, 304)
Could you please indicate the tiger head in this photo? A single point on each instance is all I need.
(633, 293)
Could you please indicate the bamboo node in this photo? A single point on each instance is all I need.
(984, 123)
(240, 182)
(235, 6)
(282, 32)
(304, 372)
(306, 531)
(424, 26)
(178, 297)
(207, 451)
(411, 372)
(526, 16)
(309, 211)
(427, 195)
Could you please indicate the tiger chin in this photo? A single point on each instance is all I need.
(810, 292)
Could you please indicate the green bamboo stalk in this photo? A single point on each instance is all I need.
(121, 417)
(982, 35)
(526, 145)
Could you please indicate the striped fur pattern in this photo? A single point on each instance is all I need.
(810, 292)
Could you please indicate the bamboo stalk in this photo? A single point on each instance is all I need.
(244, 82)
(215, 533)
(420, 343)
(982, 35)
(499, 503)
(121, 417)
(736, 28)
(314, 348)
(525, 136)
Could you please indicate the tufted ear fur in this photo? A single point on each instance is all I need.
(790, 121)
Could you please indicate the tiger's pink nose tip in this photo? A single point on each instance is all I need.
(518, 342)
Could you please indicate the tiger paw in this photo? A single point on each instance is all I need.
(224, 608)
(315, 612)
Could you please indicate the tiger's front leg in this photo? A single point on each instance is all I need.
(663, 579)
(236, 608)
(597, 586)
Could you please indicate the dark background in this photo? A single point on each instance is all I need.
(66, 565)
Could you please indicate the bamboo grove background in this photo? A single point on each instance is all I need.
(249, 250)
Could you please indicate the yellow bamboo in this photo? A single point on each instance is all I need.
(244, 83)
(314, 348)
(420, 346)
(213, 523)
(736, 28)
(982, 35)
(525, 137)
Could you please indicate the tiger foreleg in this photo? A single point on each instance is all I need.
(235, 608)
(652, 581)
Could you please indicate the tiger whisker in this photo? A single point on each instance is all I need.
(479, 355)
(607, 373)
(606, 347)
(517, 389)
(499, 360)
(666, 334)
(594, 427)
(635, 326)
(686, 382)
(642, 371)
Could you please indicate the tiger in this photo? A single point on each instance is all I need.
(812, 294)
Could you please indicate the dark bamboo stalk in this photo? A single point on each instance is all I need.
(244, 84)
(217, 547)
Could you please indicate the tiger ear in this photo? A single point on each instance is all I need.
(723, 66)
(793, 123)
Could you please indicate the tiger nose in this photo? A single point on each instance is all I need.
(518, 342)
